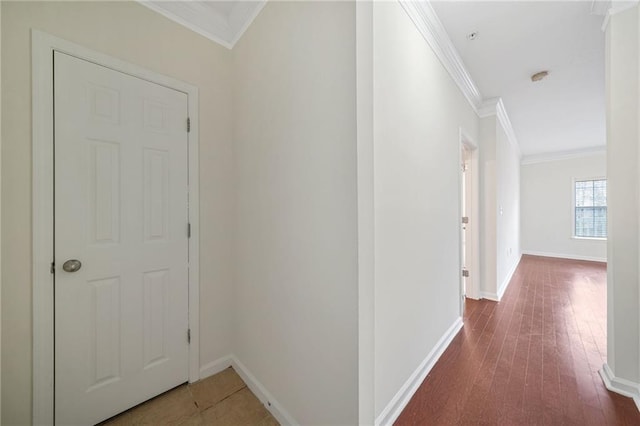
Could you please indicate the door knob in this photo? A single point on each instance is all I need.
(72, 265)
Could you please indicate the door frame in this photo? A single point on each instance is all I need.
(473, 237)
(43, 45)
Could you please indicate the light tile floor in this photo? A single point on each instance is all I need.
(220, 400)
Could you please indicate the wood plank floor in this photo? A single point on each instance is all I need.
(531, 359)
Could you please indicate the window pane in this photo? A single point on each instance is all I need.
(584, 221)
(600, 222)
(591, 208)
(584, 194)
(600, 193)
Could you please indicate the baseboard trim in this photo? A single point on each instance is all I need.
(278, 411)
(565, 256)
(489, 296)
(270, 403)
(214, 367)
(621, 386)
(496, 297)
(403, 396)
(507, 280)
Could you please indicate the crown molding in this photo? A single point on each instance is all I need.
(430, 27)
(495, 107)
(613, 7)
(428, 24)
(600, 7)
(242, 16)
(563, 155)
(503, 118)
(200, 17)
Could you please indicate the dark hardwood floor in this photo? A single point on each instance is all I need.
(532, 359)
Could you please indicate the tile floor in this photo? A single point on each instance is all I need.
(532, 359)
(220, 400)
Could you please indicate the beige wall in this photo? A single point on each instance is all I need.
(499, 208)
(488, 207)
(547, 207)
(507, 170)
(0, 212)
(418, 111)
(296, 248)
(135, 34)
(623, 186)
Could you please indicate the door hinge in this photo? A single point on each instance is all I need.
(465, 219)
(188, 124)
(188, 335)
(465, 273)
(53, 268)
(188, 230)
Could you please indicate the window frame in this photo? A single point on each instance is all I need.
(573, 207)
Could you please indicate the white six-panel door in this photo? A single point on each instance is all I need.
(121, 186)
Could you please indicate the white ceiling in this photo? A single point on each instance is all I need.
(221, 21)
(566, 110)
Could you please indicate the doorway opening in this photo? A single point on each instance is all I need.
(469, 220)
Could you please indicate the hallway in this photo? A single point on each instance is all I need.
(533, 358)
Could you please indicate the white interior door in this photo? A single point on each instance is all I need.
(121, 186)
(465, 223)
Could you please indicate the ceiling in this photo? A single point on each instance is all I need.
(221, 21)
(565, 112)
(515, 39)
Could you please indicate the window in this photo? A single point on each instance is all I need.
(590, 208)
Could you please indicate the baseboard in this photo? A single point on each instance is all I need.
(278, 411)
(270, 403)
(402, 397)
(565, 256)
(496, 297)
(489, 296)
(214, 367)
(507, 280)
(621, 386)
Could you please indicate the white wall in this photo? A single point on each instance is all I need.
(488, 208)
(623, 139)
(366, 214)
(418, 111)
(547, 191)
(508, 249)
(296, 276)
(499, 208)
(135, 34)
(0, 211)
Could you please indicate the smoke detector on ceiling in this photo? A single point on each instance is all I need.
(539, 76)
(472, 36)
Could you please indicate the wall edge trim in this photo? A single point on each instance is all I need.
(564, 256)
(507, 280)
(215, 366)
(400, 400)
(429, 26)
(620, 386)
(563, 155)
(260, 391)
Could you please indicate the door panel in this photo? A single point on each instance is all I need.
(121, 209)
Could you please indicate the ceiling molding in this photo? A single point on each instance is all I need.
(203, 18)
(430, 27)
(564, 155)
(613, 8)
(428, 24)
(242, 16)
(495, 107)
(600, 7)
(488, 107)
